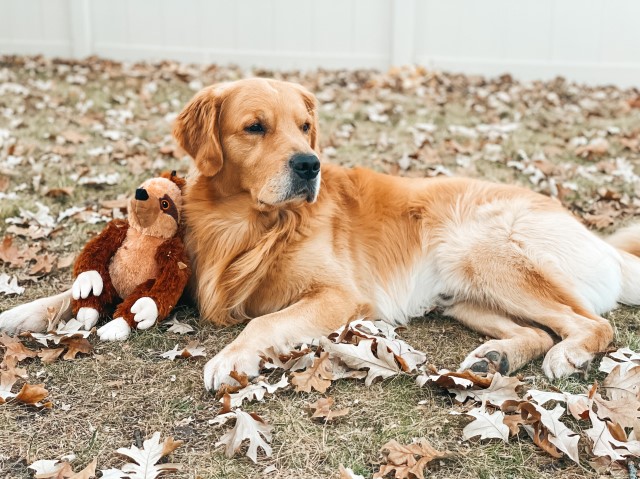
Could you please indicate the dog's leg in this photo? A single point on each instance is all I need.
(310, 318)
(583, 335)
(555, 308)
(516, 344)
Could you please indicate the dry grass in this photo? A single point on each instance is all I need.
(102, 401)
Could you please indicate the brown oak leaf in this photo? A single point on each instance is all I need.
(410, 461)
(75, 346)
(322, 409)
(318, 376)
(32, 394)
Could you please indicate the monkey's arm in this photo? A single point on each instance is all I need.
(92, 287)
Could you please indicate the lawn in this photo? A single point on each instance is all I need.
(77, 137)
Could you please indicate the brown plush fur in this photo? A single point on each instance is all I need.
(96, 256)
(141, 258)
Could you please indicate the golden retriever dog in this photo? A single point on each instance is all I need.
(300, 247)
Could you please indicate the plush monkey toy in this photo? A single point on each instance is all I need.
(140, 263)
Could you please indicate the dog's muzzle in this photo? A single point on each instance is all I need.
(305, 179)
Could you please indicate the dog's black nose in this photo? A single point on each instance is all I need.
(306, 166)
(141, 194)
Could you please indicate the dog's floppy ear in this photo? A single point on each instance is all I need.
(196, 130)
(312, 106)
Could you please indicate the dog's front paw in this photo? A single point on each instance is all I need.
(566, 359)
(88, 317)
(115, 330)
(146, 312)
(86, 283)
(243, 360)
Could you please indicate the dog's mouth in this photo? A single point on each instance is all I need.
(289, 191)
(304, 189)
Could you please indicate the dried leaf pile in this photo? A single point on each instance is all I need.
(502, 407)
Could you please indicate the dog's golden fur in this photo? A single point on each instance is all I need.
(301, 249)
(507, 262)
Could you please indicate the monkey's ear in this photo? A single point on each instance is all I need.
(172, 176)
(196, 129)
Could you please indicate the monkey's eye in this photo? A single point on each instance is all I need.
(256, 128)
(306, 127)
(164, 204)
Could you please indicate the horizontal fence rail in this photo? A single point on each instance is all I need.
(592, 41)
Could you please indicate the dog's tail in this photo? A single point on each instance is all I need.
(34, 316)
(627, 241)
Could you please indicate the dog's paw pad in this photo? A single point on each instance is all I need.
(490, 362)
(481, 366)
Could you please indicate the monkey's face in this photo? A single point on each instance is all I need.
(155, 208)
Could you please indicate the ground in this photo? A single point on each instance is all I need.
(78, 134)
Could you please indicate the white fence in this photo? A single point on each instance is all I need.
(594, 41)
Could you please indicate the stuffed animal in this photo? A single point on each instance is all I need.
(140, 265)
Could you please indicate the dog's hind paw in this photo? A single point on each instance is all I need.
(566, 359)
(486, 359)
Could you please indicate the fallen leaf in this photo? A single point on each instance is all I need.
(486, 425)
(49, 356)
(9, 285)
(65, 261)
(146, 459)
(51, 469)
(408, 461)
(190, 351)
(15, 349)
(454, 380)
(501, 389)
(624, 411)
(256, 391)
(75, 346)
(32, 394)
(623, 383)
(10, 254)
(317, 376)
(178, 327)
(295, 360)
(624, 357)
(381, 364)
(548, 432)
(248, 427)
(605, 445)
(322, 409)
(43, 265)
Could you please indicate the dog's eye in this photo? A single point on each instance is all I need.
(164, 204)
(255, 128)
(306, 127)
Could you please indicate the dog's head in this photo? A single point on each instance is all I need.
(256, 135)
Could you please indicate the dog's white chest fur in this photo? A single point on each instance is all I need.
(409, 293)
